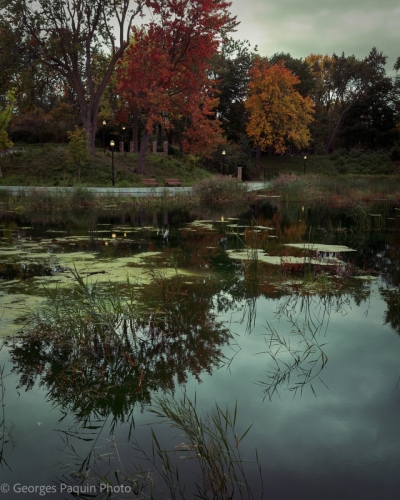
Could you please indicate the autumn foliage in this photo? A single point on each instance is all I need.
(278, 115)
(164, 71)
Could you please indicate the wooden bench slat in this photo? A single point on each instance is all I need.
(149, 182)
(172, 182)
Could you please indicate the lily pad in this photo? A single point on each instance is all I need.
(318, 247)
(277, 260)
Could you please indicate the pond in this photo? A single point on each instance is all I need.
(282, 317)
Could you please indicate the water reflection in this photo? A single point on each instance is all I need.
(99, 369)
(103, 373)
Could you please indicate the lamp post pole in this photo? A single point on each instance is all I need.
(112, 144)
(104, 135)
(304, 164)
(223, 161)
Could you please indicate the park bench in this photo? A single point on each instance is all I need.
(172, 182)
(149, 182)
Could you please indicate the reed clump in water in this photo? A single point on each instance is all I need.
(207, 463)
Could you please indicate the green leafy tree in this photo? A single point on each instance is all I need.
(66, 35)
(78, 149)
(5, 117)
(230, 68)
(341, 82)
(371, 122)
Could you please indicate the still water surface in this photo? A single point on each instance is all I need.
(218, 327)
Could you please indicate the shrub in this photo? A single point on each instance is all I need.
(219, 188)
(78, 149)
(395, 154)
(82, 197)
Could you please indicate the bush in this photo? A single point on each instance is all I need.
(360, 162)
(78, 149)
(220, 188)
(124, 184)
(82, 197)
(395, 154)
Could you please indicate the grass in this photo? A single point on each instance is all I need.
(62, 201)
(5, 431)
(208, 455)
(341, 162)
(50, 166)
(337, 191)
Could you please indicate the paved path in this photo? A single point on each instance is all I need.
(134, 191)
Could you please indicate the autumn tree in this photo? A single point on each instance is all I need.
(163, 73)
(66, 35)
(300, 68)
(278, 115)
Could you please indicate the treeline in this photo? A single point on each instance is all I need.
(180, 78)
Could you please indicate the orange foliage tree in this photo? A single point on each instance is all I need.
(278, 114)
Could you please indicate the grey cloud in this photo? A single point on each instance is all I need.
(304, 27)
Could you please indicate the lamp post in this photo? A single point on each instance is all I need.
(223, 161)
(104, 135)
(112, 144)
(304, 164)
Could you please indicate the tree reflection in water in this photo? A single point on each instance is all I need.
(98, 356)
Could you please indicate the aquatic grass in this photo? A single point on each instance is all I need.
(88, 315)
(298, 354)
(6, 436)
(101, 348)
(208, 455)
(210, 439)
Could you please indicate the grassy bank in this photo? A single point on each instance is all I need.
(338, 191)
(340, 162)
(51, 166)
(213, 190)
(33, 165)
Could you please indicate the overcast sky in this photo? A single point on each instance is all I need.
(302, 27)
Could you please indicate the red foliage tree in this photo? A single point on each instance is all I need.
(164, 71)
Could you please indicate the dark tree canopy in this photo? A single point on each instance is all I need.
(68, 35)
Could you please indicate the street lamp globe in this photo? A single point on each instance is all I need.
(112, 144)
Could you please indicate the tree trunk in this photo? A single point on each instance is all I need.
(135, 128)
(89, 119)
(335, 130)
(258, 156)
(144, 146)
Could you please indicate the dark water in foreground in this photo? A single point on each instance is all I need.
(309, 353)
